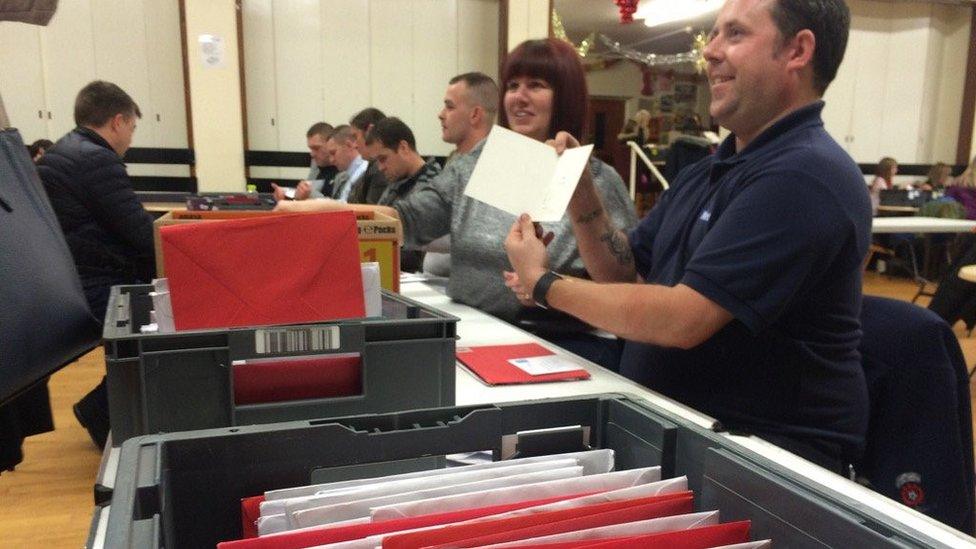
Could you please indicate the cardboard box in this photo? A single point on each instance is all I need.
(380, 237)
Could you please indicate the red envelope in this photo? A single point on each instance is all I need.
(489, 532)
(258, 382)
(491, 364)
(264, 270)
(693, 538)
(335, 534)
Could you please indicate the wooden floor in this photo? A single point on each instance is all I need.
(47, 501)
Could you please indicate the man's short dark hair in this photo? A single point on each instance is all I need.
(482, 89)
(323, 129)
(830, 22)
(390, 132)
(343, 134)
(366, 118)
(99, 101)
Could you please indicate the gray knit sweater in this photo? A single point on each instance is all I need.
(478, 232)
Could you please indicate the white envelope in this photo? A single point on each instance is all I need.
(409, 485)
(542, 490)
(593, 462)
(637, 528)
(361, 508)
(518, 174)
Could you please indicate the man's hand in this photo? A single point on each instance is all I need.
(526, 248)
(303, 190)
(278, 192)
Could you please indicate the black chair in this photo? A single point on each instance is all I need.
(920, 440)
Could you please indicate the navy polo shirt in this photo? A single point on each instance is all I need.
(775, 234)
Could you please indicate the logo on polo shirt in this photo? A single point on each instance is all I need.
(705, 215)
(910, 489)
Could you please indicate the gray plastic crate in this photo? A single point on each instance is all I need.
(184, 380)
(168, 484)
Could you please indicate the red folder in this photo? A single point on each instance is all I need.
(327, 534)
(491, 364)
(489, 532)
(693, 538)
(295, 379)
(264, 270)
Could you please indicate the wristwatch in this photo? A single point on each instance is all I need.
(542, 288)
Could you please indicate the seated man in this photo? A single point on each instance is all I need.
(370, 188)
(395, 152)
(109, 233)
(322, 171)
(740, 292)
(351, 165)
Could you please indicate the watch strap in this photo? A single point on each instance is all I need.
(542, 288)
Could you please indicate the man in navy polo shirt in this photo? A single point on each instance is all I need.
(751, 259)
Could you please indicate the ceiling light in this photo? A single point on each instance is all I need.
(660, 12)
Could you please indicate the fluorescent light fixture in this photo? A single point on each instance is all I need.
(660, 12)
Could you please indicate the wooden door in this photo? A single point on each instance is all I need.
(606, 119)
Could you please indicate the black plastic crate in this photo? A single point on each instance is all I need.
(183, 381)
(184, 489)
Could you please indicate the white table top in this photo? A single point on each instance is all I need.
(921, 225)
(478, 328)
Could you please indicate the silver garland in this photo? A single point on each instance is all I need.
(651, 59)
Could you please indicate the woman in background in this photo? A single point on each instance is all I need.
(883, 180)
(937, 178)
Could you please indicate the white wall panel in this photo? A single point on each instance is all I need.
(69, 62)
(396, 55)
(22, 80)
(871, 21)
(299, 70)
(904, 82)
(346, 35)
(119, 37)
(951, 81)
(932, 69)
(164, 62)
(434, 39)
(259, 75)
(391, 57)
(477, 36)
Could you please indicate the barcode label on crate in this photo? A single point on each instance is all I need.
(291, 340)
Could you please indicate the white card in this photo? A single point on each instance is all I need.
(549, 364)
(519, 174)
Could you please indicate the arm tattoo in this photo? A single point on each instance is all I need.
(617, 244)
(587, 217)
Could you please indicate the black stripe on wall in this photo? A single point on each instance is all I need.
(161, 183)
(145, 155)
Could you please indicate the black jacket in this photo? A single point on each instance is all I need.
(109, 233)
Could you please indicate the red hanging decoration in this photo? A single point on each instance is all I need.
(627, 10)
